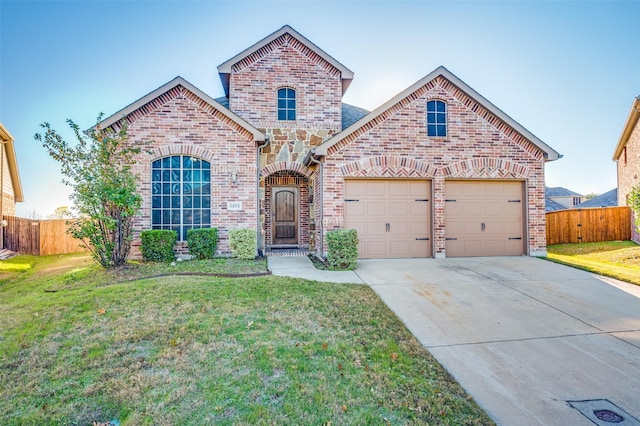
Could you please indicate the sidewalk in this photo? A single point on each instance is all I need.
(301, 267)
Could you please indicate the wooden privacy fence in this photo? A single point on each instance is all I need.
(39, 237)
(589, 225)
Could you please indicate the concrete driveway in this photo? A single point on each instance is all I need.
(524, 336)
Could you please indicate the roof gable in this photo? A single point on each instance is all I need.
(12, 162)
(629, 125)
(260, 48)
(492, 113)
(158, 97)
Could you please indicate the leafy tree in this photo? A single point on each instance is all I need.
(98, 169)
(62, 212)
(589, 196)
(634, 202)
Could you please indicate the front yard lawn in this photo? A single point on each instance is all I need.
(616, 259)
(79, 344)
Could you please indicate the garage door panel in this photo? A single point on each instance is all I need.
(355, 209)
(354, 190)
(419, 229)
(492, 203)
(394, 213)
(375, 248)
(376, 189)
(375, 228)
(472, 208)
(419, 190)
(400, 208)
(399, 189)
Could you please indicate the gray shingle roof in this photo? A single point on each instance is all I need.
(552, 206)
(350, 113)
(608, 199)
(558, 191)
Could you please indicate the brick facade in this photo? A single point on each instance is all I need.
(248, 141)
(180, 123)
(628, 167)
(478, 146)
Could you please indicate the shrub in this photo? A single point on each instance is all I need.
(202, 242)
(158, 245)
(243, 243)
(343, 249)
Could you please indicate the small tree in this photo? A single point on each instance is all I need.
(98, 169)
(634, 203)
(62, 212)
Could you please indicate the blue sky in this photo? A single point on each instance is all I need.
(567, 71)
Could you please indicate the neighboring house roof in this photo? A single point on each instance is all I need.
(629, 125)
(608, 199)
(225, 68)
(350, 113)
(551, 205)
(12, 163)
(549, 153)
(558, 191)
(179, 81)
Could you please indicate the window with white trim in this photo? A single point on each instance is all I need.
(286, 103)
(180, 194)
(436, 118)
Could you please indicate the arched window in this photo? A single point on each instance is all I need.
(180, 194)
(436, 118)
(286, 104)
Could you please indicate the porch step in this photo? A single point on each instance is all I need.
(287, 251)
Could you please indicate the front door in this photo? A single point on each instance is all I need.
(284, 215)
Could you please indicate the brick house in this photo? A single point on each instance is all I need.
(436, 171)
(627, 156)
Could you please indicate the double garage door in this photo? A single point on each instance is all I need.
(393, 218)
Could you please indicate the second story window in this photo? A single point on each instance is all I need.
(436, 118)
(286, 104)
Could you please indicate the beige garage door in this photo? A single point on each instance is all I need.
(392, 217)
(484, 218)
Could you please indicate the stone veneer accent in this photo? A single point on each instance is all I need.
(478, 145)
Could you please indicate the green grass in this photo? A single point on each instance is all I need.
(79, 344)
(616, 259)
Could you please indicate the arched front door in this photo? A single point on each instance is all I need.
(285, 215)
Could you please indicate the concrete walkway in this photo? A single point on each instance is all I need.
(301, 267)
(535, 343)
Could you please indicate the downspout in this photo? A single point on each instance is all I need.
(267, 140)
(313, 159)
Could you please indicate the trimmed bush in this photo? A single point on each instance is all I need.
(243, 243)
(343, 249)
(158, 245)
(202, 242)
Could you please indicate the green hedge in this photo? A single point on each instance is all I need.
(158, 245)
(243, 243)
(343, 249)
(202, 242)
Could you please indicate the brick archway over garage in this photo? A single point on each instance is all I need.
(388, 166)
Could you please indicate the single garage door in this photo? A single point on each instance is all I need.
(484, 218)
(392, 217)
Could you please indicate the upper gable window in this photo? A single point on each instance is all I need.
(436, 118)
(286, 104)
